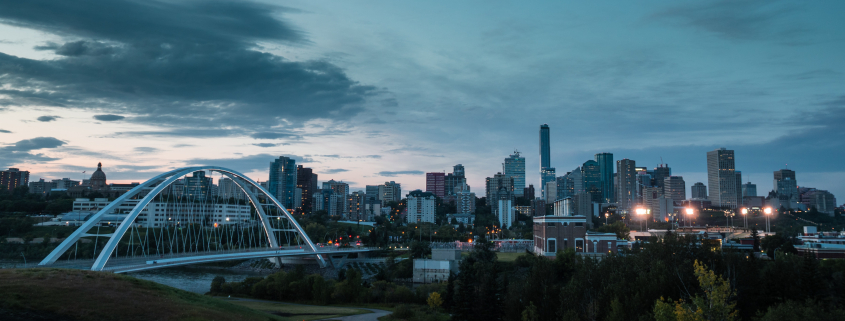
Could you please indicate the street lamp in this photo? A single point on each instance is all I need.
(744, 212)
(690, 212)
(767, 211)
(605, 218)
(642, 211)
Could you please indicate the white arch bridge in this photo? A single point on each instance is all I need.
(176, 218)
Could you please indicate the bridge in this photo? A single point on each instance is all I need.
(177, 218)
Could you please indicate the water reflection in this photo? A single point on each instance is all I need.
(193, 279)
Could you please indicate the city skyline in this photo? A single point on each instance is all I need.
(662, 94)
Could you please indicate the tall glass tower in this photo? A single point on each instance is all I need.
(282, 183)
(605, 161)
(514, 167)
(547, 174)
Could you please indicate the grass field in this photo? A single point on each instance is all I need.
(287, 311)
(508, 256)
(56, 294)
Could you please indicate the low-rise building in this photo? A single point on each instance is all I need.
(554, 234)
(437, 269)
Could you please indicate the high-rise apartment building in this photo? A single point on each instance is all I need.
(306, 181)
(499, 187)
(605, 161)
(436, 183)
(421, 207)
(13, 178)
(785, 184)
(749, 190)
(282, 181)
(724, 188)
(355, 206)
(40, 187)
(465, 202)
(514, 166)
(529, 192)
(626, 183)
(675, 188)
(390, 192)
(505, 212)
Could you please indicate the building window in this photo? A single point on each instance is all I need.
(551, 245)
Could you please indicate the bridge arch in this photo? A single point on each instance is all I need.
(266, 207)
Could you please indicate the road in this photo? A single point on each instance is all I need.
(373, 316)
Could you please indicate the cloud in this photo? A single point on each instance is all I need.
(108, 117)
(4, 131)
(20, 151)
(265, 145)
(735, 19)
(47, 118)
(145, 149)
(258, 162)
(398, 173)
(164, 61)
(334, 171)
(273, 135)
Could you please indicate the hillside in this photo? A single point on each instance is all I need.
(56, 294)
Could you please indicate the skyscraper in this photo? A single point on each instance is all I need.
(626, 185)
(547, 175)
(340, 191)
(721, 178)
(660, 173)
(306, 182)
(282, 181)
(545, 150)
(435, 183)
(591, 175)
(785, 184)
(499, 187)
(699, 191)
(605, 161)
(514, 167)
(454, 180)
(675, 188)
(749, 189)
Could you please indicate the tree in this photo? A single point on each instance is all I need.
(434, 301)
(217, 284)
(715, 305)
(756, 237)
(622, 231)
(530, 312)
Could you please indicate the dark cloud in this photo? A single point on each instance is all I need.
(258, 162)
(171, 60)
(265, 145)
(334, 171)
(273, 135)
(735, 19)
(183, 132)
(398, 173)
(20, 152)
(146, 149)
(4, 131)
(47, 118)
(108, 117)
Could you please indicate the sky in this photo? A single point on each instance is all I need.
(375, 91)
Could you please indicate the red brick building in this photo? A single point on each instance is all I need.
(553, 234)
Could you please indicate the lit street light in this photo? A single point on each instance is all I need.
(767, 211)
(643, 211)
(744, 212)
(690, 212)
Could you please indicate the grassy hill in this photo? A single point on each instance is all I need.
(56, 294)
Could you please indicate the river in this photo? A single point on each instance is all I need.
(193, 279)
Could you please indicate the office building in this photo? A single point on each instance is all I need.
(514, 167)
(421, 207)
(724, 188)
(823, 201)
(227, 189)
(64, 183)
(306, 182)
(371, 192)
(198, 186)
(529, 192)
(455, 181)
(436, 183)
(660, 173)
(551, 195)
(499, 187)
(605, 161)
(340, 190)
(785, 184)
(545, 147)
(566, 184)
(40, 187)
(675, 188)
(626, 183)
(390, 192)
(591, 176)
(282, 182)
(699, 191)
(547, 175)
(749, 190)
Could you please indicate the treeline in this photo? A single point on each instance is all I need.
(629, 286)
(296, 286)
(20, 200)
